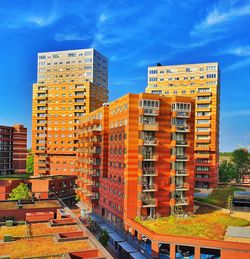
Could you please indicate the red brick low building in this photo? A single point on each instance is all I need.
(49, 187)
(13, 149)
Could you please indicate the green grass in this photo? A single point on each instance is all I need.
(210, 226)
(219, 196)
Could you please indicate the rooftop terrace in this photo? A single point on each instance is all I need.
(209, 226)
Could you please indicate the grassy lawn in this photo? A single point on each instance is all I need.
(219, 196)
(211, 226)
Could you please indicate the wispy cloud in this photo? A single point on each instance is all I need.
(240, 51)
(103, 17)
(71, 36)
(235, 113)
(237, 65)
(30, 17)
(220, 17)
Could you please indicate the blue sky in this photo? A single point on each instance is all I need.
(133, 35)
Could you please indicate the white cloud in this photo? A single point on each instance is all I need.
(235, 113)
(103, 17)
(220, 17)
(237, 65)
(240, 51)
(71, 36)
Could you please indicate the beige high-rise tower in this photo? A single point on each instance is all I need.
(69, 85)
(202, 82)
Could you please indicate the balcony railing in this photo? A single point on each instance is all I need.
(182, 128)
(181, 143)
(181, 187)
(181, 172)
(181, 201)
(148, 111)
(150, 126)
(148, 187)
(149, 142)
(181, 157)
(148, 203)
(150, 171)
(147, 157)
(182, 114)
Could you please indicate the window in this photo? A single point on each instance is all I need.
(211, 75)
(153, 72)
(156, 92)
(152, 79)
(71, 55)
(211, 68)
(42, 57)
(88, 60)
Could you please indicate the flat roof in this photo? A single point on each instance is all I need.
(127, 247)
(238, 232)
(204, 225)
(38, 245)
(12, 205)
(137, 255)
(116, 237)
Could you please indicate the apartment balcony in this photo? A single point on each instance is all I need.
(204, 101)
(148, 142)
(182, 187)
(180, 128)
(149, 187)
(179, 157)
(181, 202)
(149, 172)
(179, 143)
(202, 148)
(204, 93)
(145, 157)
(203, 109)
(182, 157)
(180, 114)
(148, 112)
(149, 127)
(148, 203)
(181, 172)
(205, 141)
(202, 156)
(203, 133)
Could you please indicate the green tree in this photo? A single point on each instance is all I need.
(104, 238)
(30, 163)
(227, 171)
(21, 192)
(240, 158)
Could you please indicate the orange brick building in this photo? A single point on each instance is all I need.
(70, 84)
(136, 157)
(201, 82)
(13, 149)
